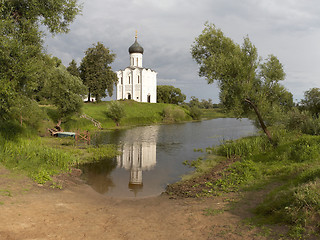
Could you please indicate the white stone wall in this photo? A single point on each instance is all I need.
(136, 60)
(137, 84)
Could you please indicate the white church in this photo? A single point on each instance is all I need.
(135, 82)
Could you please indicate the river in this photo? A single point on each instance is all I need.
(152, 156)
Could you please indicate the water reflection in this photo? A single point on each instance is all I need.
(152, 156)
(136, 158)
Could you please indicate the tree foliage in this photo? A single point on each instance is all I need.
(56, 15)
(64, 90)
(311, 101)
(73, 69)
(23, 64)
(115, 112)
(246, 83)
(96, 72)
(169, 94)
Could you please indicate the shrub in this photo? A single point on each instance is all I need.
(173, 114)
(195, 113)
(303, 121)
(116, 112)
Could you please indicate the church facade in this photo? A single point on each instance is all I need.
(135, 82)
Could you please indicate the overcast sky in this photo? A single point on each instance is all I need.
(288, 29)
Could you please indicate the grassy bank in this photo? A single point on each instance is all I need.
(40, 158)
(293, 168)
(43, 157)
(136, 114)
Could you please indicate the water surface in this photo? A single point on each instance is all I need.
(152, 156)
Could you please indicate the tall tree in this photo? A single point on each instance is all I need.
(64, 90)
(245, 83)
(169, 94)
(73, 69)
(22, 60)
(311, 101)
(96, 72)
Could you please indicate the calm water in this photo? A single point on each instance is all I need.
(152, 156)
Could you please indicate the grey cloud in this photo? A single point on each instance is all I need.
(166, 30)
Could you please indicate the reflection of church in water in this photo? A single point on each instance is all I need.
(136, 158)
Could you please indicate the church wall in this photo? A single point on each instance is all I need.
(135, 82)
(149, 86)
(142, 82)
(136, 60)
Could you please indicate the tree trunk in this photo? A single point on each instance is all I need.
(263, 126)
(89, 96)
(58, 127)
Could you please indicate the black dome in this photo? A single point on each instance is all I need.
(136, 48)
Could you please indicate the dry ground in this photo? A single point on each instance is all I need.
(29, 211)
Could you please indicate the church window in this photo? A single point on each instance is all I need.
(138, 79)
(129, 79)
(137, 62)
(121, 80)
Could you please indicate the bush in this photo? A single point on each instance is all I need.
(195, 113)
(171, 114)
(115, 112)
(303, 122)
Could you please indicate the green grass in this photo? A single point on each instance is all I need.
(135, 114)
(293, 167)
(38, 160)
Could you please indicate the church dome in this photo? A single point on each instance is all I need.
(136, 48)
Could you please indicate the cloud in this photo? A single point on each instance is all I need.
(162, 81)
(289, 29)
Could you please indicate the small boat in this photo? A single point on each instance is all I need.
(64, 134)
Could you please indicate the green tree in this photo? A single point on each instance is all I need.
(23, 67)
(73, 69)
(311, 101)
(169, 94)
(194, 102)
(64, 90)
(55, 15)
(96, 72)
(207, 104)
(245, 83)
(115, 112)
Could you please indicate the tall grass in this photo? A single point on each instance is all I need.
(39, 162)
(294, 165)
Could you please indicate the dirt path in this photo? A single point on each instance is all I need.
(77, 212)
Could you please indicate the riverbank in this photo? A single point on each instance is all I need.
(287, 175)
(135, 114)
(29, 211)
(272, 192)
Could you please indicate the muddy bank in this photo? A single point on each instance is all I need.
(77, 212)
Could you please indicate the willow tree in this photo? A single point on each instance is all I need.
(246, 83)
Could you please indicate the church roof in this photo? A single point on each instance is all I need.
(136, 47)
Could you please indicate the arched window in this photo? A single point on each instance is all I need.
(129, 96)
(129, 79)
(121, 80)
(138, 79)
